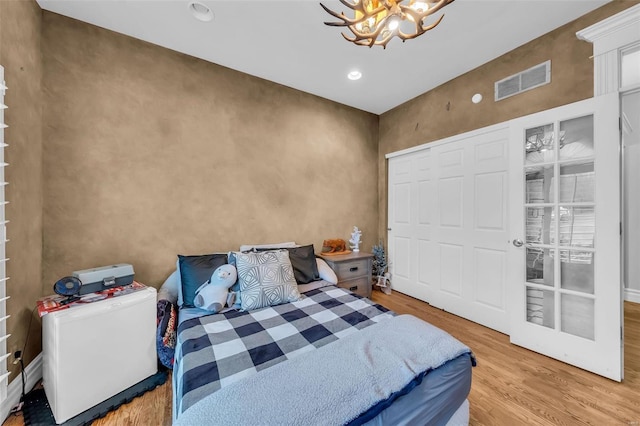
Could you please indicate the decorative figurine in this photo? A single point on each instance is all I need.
(380, 275)
(355, 239)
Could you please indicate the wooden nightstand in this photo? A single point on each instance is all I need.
(353, 271)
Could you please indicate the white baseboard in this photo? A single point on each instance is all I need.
(33, 373)
(632, 295)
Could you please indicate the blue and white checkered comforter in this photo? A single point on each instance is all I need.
(216, 350)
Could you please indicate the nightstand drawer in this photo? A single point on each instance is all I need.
(361, 286)
(352, 269)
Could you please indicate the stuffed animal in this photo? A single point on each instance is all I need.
(213, 294)
(337, 246)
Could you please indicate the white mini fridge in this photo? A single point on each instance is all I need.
(93, 351)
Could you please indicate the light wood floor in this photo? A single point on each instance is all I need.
(514, 386)
(511, 385)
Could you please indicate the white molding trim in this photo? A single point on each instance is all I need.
(605, 72)
(33, 373)
(608, 37)
(632, 295)
(614, 32)
(454, 138)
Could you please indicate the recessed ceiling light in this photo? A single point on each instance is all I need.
(200, 11)
(354, 75)
(477, 98)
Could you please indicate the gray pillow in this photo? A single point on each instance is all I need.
(303, 260)
(266, 279)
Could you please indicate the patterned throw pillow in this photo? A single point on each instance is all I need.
(266, 279)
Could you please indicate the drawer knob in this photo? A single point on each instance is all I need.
(353, 269)
(354, 288)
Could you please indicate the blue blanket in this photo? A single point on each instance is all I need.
(334, 384)
(215, 351)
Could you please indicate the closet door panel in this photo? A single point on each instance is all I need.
(451, 261)
(401, 222)
(424, 216)
(454, 255)
(490, 191)
(490, 279)
(451, 202)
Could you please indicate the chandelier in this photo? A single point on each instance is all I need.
(541, 139)
(376, 22)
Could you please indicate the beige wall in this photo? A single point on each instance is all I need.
(427, 118)
(149, 153)
(20, 23)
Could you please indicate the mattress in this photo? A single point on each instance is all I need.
(435, 400)
(462, 416)
(432, 398)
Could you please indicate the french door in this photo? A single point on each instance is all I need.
(564, 259)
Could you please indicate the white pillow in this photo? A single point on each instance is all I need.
(179, 279)
(313, 285)
(247, 247)
(325, 271)
(170, 288)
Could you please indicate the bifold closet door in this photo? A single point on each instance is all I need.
(448, 225)
(470, 233)
(409, 231)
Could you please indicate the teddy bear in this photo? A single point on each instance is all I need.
(214, 294)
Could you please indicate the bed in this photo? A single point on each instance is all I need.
(330, 357)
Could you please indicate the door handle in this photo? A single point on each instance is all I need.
(518, 242)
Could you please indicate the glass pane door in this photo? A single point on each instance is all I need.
(560, 230)
(564, 258)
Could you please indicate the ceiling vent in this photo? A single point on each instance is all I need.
(536, 76)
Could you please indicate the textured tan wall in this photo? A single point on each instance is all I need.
(20, 23)
(149, 153)
(426, 118)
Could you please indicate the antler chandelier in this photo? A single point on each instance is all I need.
(376, 22)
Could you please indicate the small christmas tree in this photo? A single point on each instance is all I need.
(380, 268)
(379, 260)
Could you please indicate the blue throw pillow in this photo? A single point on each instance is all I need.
(195, 271)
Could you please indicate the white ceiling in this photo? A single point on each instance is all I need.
(287, 42)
